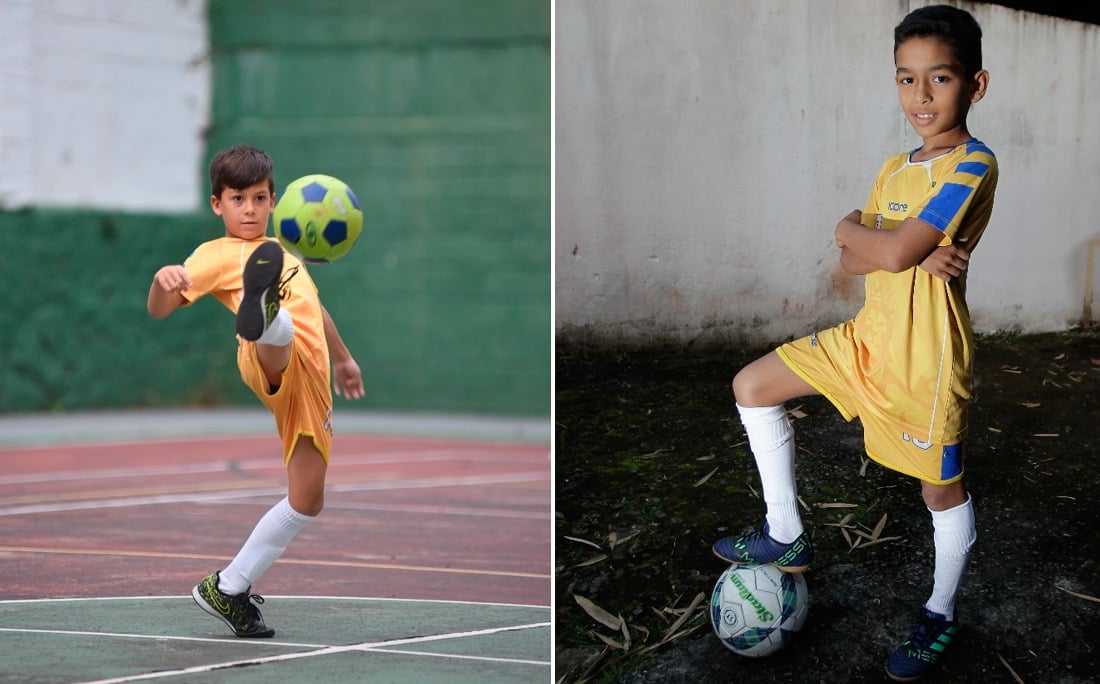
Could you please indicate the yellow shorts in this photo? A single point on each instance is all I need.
(890, 446)
(885, 440)
(302, 405)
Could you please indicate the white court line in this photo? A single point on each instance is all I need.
(454, 656)
(205, 497)
(273, 463)
(380, 599)
(264, 433)
(332, 650)
(155, 637)
(442, 510)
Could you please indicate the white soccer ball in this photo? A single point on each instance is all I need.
(756, 609)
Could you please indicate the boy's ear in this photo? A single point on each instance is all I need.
(979, 86)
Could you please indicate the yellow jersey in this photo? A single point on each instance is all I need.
(905, 359)
(216, 268)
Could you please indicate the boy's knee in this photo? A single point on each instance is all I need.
(745, 388)
(308, 505)
(943, 497)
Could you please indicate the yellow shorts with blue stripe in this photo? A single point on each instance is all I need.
(885, 441)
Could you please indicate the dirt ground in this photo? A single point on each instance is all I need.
(651, 467)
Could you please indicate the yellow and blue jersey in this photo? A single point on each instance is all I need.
(905, 359)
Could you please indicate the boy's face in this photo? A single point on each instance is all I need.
(933, 90)
(245, 212)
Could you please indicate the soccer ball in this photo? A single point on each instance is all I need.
(318, 218)
(755, 609)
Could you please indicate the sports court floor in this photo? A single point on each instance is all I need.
(430, 563)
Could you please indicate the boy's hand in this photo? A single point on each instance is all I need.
(347, 379)
(855, 216)
(947, 262)
(172, 278)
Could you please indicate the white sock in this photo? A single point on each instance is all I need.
(771, 439)
(954, 533)
(281, 330)
(266, 543)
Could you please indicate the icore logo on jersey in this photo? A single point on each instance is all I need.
(897, 206)
(923, 446)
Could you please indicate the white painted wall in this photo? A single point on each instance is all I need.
(705, 150)
(103, 104)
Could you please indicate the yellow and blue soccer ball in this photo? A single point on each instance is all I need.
(318, 218)
(756, 609)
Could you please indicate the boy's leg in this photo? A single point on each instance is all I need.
(954, 532)
(306, 478)
(225, 594)
(760, 390)
(259, 317)
(304, 500)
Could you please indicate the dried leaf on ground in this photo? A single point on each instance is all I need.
(878, 528)
(610, 642)
(881, 540)
(584, 541)
(591, 561)
(704, 479)
(599, 614)
(614, 539)
(1008, 667)
(683, 618)
(1080, 596)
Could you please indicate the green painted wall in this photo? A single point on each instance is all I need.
(74, 332)
(438, 116)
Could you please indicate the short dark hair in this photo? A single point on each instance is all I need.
(952, 25)
(239, 167)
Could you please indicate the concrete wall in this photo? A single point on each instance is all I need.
(98, 99)
(706, 149)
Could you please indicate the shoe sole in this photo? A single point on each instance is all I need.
(208, 609)
(784, 568)
(258, 279)
(897, 678)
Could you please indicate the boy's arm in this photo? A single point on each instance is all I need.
(853, 264)
(164, 292)
(889, 250)
(347, 379)
(948, 262)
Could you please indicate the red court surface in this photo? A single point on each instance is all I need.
(410, 518)
(430, 563)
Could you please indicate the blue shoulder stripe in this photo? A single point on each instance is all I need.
(976, 145)
(974, 168)
(945, 205)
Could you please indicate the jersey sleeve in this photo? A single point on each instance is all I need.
(204, 269)
(966, 186)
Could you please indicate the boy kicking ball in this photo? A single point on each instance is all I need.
(286, 344)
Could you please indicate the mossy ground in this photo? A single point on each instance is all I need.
(652, 466)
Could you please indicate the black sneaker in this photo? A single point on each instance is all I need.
(921, 652)
(260, 301)
(236, 611)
